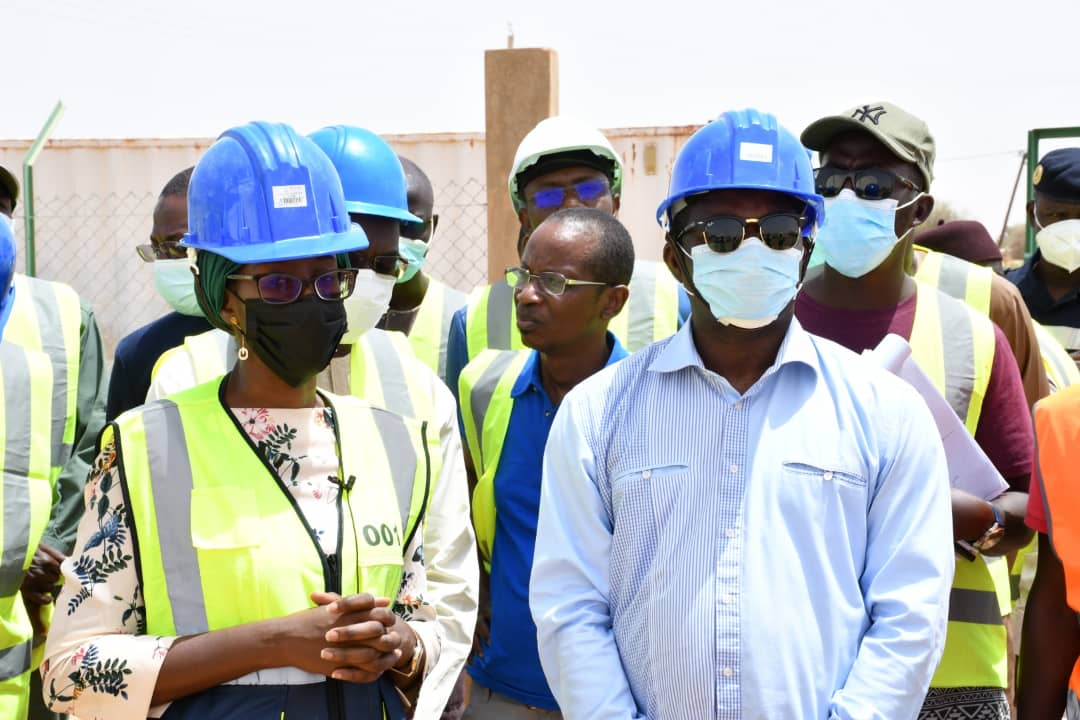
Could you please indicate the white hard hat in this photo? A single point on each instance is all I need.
(556, 135)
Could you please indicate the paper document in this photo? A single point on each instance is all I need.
(969, 468)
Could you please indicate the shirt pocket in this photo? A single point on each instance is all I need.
(825, 472)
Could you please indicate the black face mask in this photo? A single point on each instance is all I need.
(295, 340)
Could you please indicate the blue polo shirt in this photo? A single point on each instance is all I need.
(1043, 308)
(511, 661)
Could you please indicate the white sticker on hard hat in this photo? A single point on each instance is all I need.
(755, 152)
(290, 196)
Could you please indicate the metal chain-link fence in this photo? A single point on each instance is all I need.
(89, 243)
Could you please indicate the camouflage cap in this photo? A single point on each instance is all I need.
(905, 135)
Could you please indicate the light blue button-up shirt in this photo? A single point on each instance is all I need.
(784, 553)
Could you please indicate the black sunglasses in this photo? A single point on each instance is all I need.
(168, 250)
(417, 231)
(281, 288)
(724, 233)
(381, 264)
(869, 184)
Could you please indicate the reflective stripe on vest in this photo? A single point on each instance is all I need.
(954, 345)
(651, 313)
(431, 328)
(47, 317)
(225, 528)
(1057, 441)
(486, 405)
(26, 399)
(1069, 337)
(15, 661)
(965, 281)
(1060, 367)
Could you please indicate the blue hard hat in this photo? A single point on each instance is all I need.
(743, 150)
(370, 171)
(7, 270)
(264, 193)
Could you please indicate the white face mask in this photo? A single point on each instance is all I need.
(368, 302)
(176, 284)
(1060, 243)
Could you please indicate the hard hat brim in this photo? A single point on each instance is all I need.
(363, 208)
(283, 250)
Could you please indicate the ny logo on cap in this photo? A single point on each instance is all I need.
(873, 114)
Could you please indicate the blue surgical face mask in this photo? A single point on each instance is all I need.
(858, 234)
(414, 251)
(176, 284)
(748, 287)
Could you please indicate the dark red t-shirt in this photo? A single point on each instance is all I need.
(1004, 431)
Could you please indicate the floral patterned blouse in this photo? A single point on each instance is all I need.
(100, 661)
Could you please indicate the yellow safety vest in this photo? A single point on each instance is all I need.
(651, 313)
(431, 328)
(47, 318)
(486, 404)
(381, 369)
(220, 540)
(26, 493)
(1060, 367)
(954, 345)
(973, 283)
(1068, 337)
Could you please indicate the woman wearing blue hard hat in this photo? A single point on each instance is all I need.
(237, 559)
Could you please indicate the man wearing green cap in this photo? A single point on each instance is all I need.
(876, 168)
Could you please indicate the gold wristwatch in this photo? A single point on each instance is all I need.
(415, 663)
(994, 533)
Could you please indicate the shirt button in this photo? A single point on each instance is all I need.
(730, 533)
(734, 468)
(728, 672)
(547, 413)
(827, 476)
(646, 474)
(738, 405)
(726, 599)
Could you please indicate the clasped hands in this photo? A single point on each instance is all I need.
(355, 638)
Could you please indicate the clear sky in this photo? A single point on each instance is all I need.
(980, 73)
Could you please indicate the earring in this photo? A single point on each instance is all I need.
(242, 352)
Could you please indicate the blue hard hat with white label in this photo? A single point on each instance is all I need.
(742, 150)
(7, 270)
(370, 171)
(264, 193)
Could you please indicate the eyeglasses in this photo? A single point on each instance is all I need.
(724, 233)
(168, 250)
(586, 190)
(552, 283)
(417, 231)
(281, 288)
(382, 264)
(869, 184)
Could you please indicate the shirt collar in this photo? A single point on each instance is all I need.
(681, 352)
(1033, 289)
(530, 373)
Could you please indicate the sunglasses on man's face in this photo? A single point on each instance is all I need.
(724, 233)
(587, 191)
(168, 250)
(281, 288)
(420, 230)
(868, 184)
(382, 264)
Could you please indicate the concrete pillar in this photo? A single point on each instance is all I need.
(521, 89)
